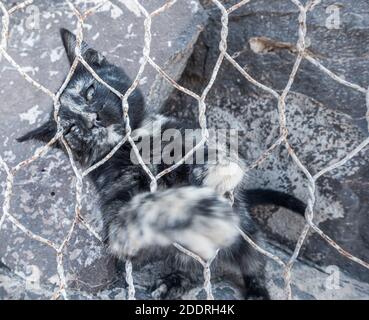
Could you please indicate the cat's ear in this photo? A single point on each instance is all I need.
(43, 133)
(91, 56)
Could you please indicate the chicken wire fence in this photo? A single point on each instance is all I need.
(81, 17)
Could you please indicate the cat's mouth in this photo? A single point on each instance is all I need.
(73, 128)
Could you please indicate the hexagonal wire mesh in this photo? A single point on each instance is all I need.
(301, 52)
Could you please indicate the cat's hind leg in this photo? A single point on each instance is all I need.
(252, 267)
(171, 286)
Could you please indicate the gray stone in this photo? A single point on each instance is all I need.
(326, 120)
(310, 282)
(341, 50)
(44, 192)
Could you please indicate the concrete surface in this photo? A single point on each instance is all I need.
(326, 120)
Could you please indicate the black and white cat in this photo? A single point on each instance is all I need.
(190, 207)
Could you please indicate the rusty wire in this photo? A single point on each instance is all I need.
(302, 54)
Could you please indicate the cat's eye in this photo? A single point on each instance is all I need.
(90, 93)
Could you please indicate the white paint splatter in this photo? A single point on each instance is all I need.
(9, 156)
(87, 26)
(56, 54)
(130, 34)
(30, 69)
(116, 12)
(129, 28)
(31, 115)
(32, 39)
(48, 15)
(132, 6)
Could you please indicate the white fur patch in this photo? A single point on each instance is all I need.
(223, 178)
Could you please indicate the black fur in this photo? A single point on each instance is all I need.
(258, 197)
(189, 207)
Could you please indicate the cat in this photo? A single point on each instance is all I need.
(191, 206)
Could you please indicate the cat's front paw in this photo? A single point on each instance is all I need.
(73, 136)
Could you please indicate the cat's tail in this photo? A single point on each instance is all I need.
(195, 218)
(255, 197)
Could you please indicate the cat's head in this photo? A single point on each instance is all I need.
(91, 115)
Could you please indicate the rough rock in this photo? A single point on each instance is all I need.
(329, 283)
(44, 195)
(310, 282)
(326, 120)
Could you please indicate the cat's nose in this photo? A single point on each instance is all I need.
(90, 120)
